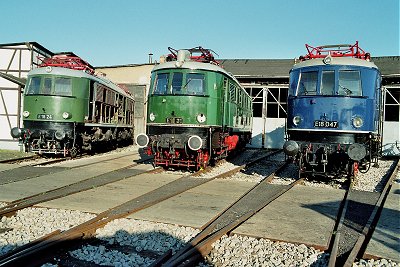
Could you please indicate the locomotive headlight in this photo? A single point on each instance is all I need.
(201, 118)
(291, 148)
(16, 132)
(25, 114)
(358, 122)
(195, 142)
(59, 135)
(152, 116)
(66, 115)
(142, 140)
(297, 120)
(327, 60)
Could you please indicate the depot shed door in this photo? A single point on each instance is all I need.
(269, 115)
(391, 122)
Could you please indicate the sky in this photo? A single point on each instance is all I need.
(119, 32)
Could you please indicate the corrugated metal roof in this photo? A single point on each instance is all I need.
(389, 66)
(279, 68)
(261, 68)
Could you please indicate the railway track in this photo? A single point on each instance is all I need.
(20, 159)
(90, 183)
(32, 160)
(238, 212)
(85, 230)
(224, 223)
(33, 170)
(356, 222)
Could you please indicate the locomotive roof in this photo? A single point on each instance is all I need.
(79, 74)
(336, 61)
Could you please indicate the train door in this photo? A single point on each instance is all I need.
(391, 122)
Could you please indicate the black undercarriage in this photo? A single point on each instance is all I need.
(58, 138)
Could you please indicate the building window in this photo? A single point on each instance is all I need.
(256, 94)
(276, 102)
(392, 104)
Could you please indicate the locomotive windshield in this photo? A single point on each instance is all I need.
(308, 83)
(349, 83)
(328, 82)
(178, 83)
(58, 86)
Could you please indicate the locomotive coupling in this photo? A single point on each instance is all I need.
(291, 148)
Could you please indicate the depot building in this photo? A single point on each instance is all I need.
(266, 81)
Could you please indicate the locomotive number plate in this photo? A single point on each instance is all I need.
(326, 124)
(45, 116)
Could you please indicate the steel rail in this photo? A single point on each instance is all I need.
(87, 228)
(368, 228)
(201, 245)
(22, 173)
(335, 246)
(12, 207)
(18, 159)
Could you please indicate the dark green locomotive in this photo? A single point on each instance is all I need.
(197, 111)
(68, 109)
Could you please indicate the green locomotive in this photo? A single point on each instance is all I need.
(67, 109)
(197, 111)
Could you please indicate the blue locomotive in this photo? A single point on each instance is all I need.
(334, 122)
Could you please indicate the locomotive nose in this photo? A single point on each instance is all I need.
(291, 148)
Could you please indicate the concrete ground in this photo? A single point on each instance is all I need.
(303, 215)
(385, 241)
